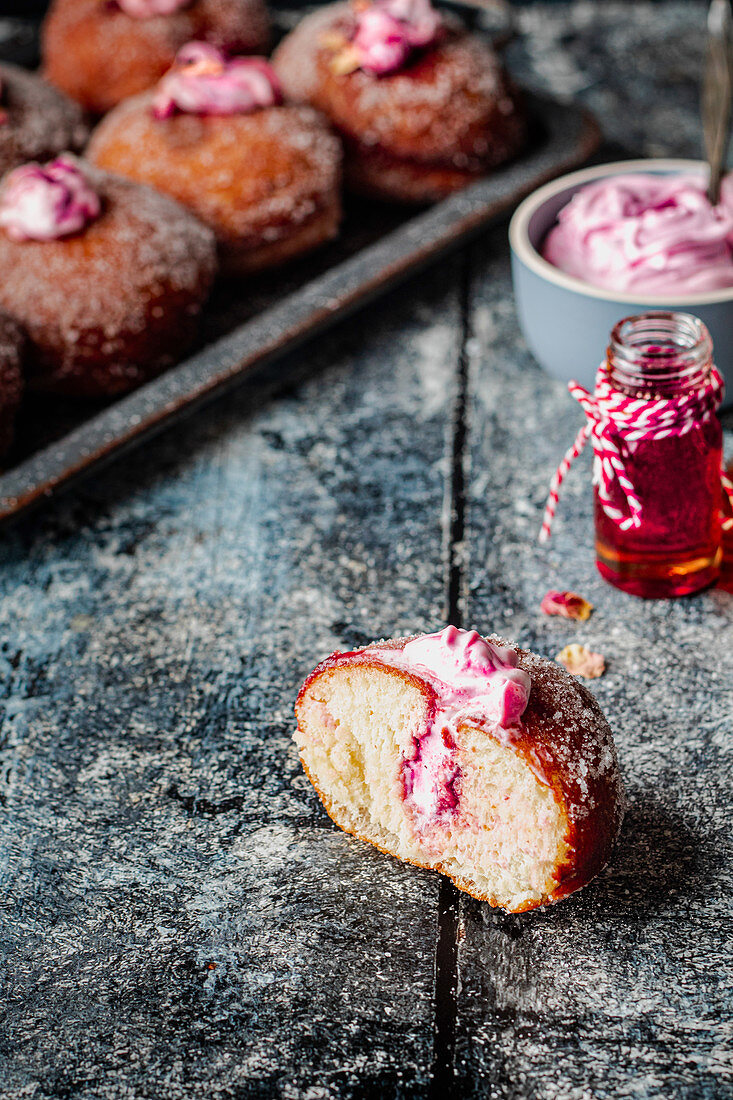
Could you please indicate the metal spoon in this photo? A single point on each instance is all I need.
(717, 92)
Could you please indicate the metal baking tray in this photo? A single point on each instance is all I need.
(251, 322)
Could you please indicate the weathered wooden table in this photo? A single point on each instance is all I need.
(179, 916)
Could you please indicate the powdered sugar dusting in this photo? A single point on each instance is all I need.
(582, 742)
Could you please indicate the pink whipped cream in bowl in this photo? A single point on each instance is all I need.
(619, 239)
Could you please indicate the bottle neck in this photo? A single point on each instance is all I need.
(659, 354)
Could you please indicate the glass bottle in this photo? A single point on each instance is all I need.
(676, 547)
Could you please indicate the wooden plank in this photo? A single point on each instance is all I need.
(180, 918)
(624, 989)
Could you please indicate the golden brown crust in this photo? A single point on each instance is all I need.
(375, 174)
(267, 183)
(564, 735)
(99, 55)
(565, 740)
(110, 307)
(323, 226)
(451, 108)
(39, 122)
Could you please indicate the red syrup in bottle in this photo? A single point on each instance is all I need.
(662, 361)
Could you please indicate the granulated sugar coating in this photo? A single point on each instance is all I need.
(11, 378)
(39, 121)
(118, 302)
(268, 178)
(451, 107)
(534, 809)
(99, 55)
(564, 712)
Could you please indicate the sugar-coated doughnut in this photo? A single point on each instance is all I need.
(447, 115)
(107, 278)
(265, 176)
(12, 342)
(99, 53)
(468, 756)
(36, 121)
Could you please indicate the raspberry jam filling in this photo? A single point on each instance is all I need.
(46, 203)
(146, 9)
(203, 81)
(475, 681)
(430, 777)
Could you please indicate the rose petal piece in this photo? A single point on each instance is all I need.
(569, 605)
(345, 61)
(582, 661)
(333, 40)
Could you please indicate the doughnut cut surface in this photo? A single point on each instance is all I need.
(537, 814)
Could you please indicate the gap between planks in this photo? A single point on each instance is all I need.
(443, 1079)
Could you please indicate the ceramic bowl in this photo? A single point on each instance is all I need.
(565, 320)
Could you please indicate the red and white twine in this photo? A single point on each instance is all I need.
(616, 423)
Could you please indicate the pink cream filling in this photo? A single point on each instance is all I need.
(146, 9)
(44, 204)
(387, 32)
(203, 81)
(474, 680)
(646, 233)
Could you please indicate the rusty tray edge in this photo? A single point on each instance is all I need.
(572, 136)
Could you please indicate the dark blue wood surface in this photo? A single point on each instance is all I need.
(179, 918)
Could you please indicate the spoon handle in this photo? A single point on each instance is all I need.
(717, 92)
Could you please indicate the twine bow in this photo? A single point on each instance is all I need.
(616, 423)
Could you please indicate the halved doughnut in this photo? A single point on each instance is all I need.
(518, 811)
